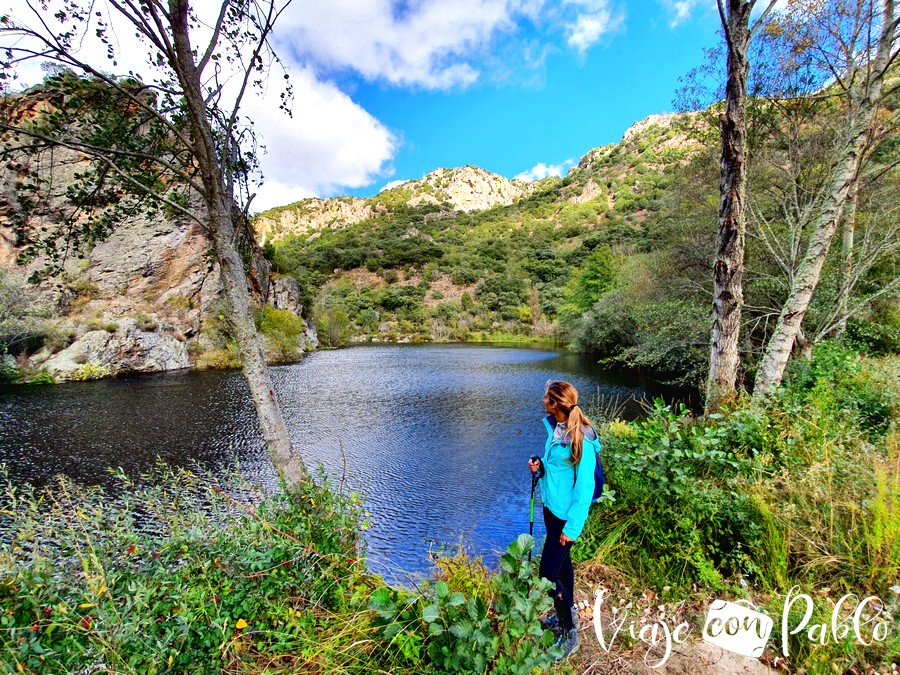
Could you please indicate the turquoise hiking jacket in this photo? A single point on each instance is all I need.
(568, 497)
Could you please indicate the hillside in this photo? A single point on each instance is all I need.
(467, 189)
(614, 257)
(465, 254)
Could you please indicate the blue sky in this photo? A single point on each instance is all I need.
(550, 115)
(518, 87)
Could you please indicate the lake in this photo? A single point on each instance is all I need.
(436, 437)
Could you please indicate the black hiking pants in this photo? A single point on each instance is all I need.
(556, 567)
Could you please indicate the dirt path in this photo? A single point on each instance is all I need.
(626, 606)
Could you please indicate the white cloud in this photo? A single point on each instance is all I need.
(592, 20)
(392, 185)
(430, 43)
(330, 143)
(680, 10)
(541, 170)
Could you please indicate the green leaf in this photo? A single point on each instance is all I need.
(380, 600)
(431, 613)
(441, 589)
(547, 638)
(525, 542)
(462, 630)
(456, 598)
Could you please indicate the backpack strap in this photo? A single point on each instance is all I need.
(575, 477)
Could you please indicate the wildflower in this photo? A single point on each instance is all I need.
(241, 624)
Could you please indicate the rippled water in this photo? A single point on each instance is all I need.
(435, 436)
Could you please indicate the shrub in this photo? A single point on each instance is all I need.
(92, 371)
(400, 297)
(221, 358)
(282, 330)
(469, 623)
(673, 478)
(333, 326)
(874, 338)
(145, 322)
(179, 577)
(83, 288)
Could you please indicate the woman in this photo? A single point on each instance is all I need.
(567, 487)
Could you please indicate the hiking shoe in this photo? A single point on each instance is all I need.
(552, 621)
(568, 643)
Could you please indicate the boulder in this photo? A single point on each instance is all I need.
(99, 353)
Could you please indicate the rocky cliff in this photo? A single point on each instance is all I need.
(469, 188)
(145, 298)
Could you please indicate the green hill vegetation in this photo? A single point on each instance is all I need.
(613, 258)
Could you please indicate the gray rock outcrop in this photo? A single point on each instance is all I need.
(99, 353)
(468, 188)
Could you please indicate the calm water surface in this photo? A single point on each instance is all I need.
(435, 436)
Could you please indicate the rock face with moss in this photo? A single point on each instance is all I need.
(145, 298)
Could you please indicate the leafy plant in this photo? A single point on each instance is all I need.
(481, 627)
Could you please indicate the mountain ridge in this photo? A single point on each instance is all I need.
(463, 189)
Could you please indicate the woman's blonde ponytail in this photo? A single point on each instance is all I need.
(565, 396)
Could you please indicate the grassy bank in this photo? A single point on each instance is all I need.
(192, 576)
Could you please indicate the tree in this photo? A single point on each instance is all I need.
(728, 269)
(190, 112)
(855, 43)
(588, 284)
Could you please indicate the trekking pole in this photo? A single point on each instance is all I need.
(534, 481)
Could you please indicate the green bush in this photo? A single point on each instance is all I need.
(92, 371)
(463, 626)
(220, 358)
(835, 382)
(332, 326)
(673, 479)
(400, 297)
(145, 322)
(874, 338)
(282, 330)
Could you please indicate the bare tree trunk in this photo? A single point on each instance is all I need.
(219, 205)
(845, 285)
(806, 278)
(728, 271)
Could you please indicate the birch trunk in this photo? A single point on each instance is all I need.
(728, 270)
(845, 286)
(806, 278)
(864, 97)
(224, 233)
